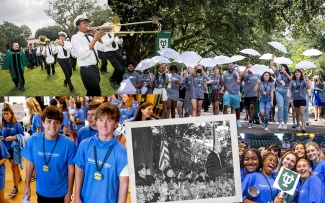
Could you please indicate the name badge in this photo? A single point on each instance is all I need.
(160, 86)
(264, 93)
(199, 85)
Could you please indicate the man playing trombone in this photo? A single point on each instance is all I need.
(63, 49)
(86, 51)
(48, 54)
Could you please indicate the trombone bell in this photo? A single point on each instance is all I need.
(115, 27)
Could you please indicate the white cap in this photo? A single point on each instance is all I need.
(62, 33)
(47, 40)
(79, 19)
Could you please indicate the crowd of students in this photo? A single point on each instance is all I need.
(259, 169)
(192, 89)
(58, 139)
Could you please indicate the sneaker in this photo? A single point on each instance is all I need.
(303, 130)
(266, 128)
(294, 125)
(239, 125)
(33, 179)
(263, 125)
(250, 125)
(284, 126)
(14, 192)
(280, 127)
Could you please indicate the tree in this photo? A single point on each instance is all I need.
(13, 33)
(50, 32)
(3, 43)
(65, 11)
(26, 31)
(224, 26)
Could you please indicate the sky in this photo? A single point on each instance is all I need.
(28, 12)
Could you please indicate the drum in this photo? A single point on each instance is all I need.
(50, 59)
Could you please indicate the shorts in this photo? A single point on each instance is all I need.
(215, 95)
(11, 153)
(161, 91)
(249, 100)
(299, 103)
(234, 99)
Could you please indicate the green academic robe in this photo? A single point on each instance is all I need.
(10, 63)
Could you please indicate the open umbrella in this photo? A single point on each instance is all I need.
(160, 59)
(190, 58)
(126, 87)
(223, 59)
(237, 58)
(169, 53)
(305, 65)
(266, 56)
(282, 60)
(208, 62)
(250, 52)
(145, 64)
(278, 46)
(259, 69)
(312, 52)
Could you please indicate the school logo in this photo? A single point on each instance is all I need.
(286, 181)
(163, 43)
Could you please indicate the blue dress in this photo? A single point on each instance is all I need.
(316, 99)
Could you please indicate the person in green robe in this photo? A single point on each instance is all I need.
(15, 64)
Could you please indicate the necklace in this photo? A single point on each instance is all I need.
(271, 193)
(97, 174)
(46, 168)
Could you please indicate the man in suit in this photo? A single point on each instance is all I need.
(215, 161)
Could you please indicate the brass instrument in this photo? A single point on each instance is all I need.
(115, 26)
(41, 39)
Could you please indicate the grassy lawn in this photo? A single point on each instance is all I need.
(38, 84)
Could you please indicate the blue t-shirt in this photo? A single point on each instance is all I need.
(311, 191)
(126, 114)
(84, 133)
(108, 188)
(80, 116)
(11, 130)
(263, 183)
(37, 123)
(3, 154)
(197, 85)
(53, 183)
(242, 174)
(319, 171)
(66, 122)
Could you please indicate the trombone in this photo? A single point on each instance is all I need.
(115, 27)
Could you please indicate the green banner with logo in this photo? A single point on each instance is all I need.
(286, 181)
(163, 40)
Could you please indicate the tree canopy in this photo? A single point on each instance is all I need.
(50, 32)
(11, 33)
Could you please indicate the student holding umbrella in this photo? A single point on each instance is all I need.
(283, 78)
(197, 80)
(298, 86)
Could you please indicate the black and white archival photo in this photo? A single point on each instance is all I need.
(184, 160)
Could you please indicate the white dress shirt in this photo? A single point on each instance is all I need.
(59, 50)
(39, 50)
(46, 50)
(107, 43)
(80, 44)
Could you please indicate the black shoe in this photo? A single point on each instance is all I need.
(65, 85)
(103, 72)
(22, 89)
(16, 84)
(73, 91)
(14, 192)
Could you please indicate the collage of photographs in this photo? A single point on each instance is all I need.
(106, 101)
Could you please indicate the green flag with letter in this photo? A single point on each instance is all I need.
(163, 40)
(286, 181)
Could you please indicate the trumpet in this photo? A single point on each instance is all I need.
(114, 27)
